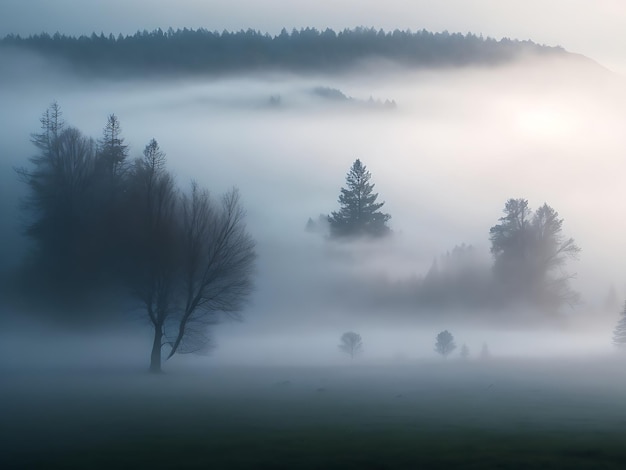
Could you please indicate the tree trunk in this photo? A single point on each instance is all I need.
(155, 357)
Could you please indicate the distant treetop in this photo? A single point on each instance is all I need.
(185, 51)
(619, 333)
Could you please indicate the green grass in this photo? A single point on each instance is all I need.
(332, 448)
(426, 416)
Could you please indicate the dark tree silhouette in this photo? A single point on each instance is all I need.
(217, 266)
(57, 207)
(619, 333)
(530, 253)
(445, 343)
(73, 187)
(359, 213)
(351, 344)
(103, 228)
(155, 242)
(194, 258)
(113, 151)
(188, 51)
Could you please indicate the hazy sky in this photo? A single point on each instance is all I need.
(591, 27)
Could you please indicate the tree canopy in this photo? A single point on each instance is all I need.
(104, 227)
(530, 253)
(445, 343)
(351, 344)
(189, 51)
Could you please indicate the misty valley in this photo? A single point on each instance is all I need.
(361, 249)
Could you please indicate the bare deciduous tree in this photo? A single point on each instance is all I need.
(218, 257)
(194, 258)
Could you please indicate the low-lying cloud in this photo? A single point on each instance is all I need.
(459, 143)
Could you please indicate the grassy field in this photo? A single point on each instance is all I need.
(500, 414)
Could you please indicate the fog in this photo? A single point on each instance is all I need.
(459, 143)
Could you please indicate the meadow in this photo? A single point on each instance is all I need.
(504, 413)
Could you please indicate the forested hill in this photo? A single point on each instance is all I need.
(188, 51)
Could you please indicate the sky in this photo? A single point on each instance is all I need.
(593, 28)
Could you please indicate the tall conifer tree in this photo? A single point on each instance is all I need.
(359, 213)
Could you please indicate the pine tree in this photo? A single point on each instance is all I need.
(112, 152)
(619, 333)
(359, 213)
